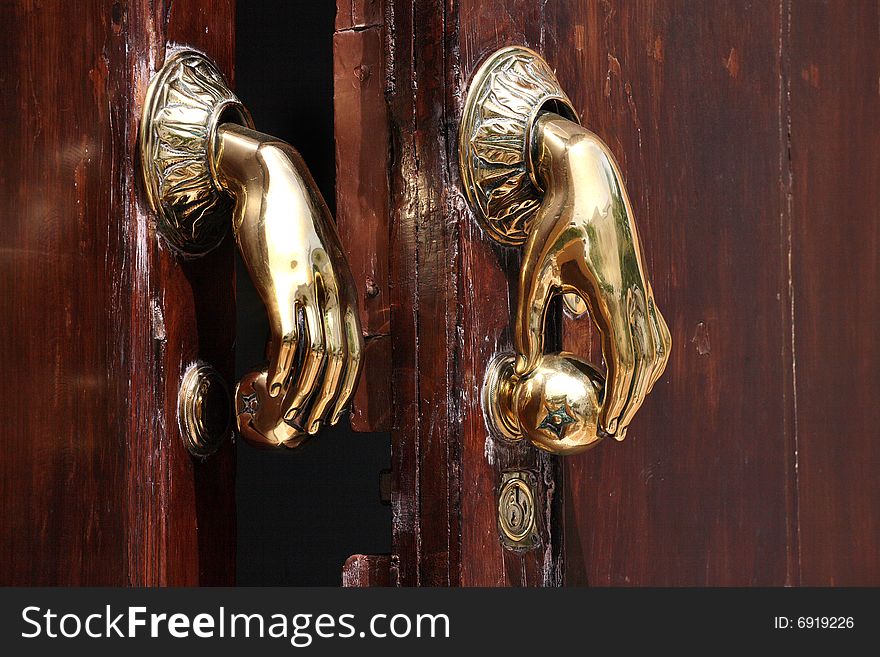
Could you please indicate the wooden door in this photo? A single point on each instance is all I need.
(747, 134)
(100, 318)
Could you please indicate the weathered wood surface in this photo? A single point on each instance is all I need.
(362, 570)
(362, 196)
(100, 319)
(449, 315)
(744, 137)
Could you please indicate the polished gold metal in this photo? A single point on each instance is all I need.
(204, 169)
(503, 101)
(289, 243)
(582, 243)
(556, 406)
(516, 512)
(203, 410)
(184, 104)
(498, 398)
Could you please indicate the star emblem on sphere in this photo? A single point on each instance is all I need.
(557, 420)
(251, 403)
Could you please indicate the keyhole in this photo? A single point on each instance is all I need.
(515, 510)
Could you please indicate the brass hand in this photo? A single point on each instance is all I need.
(289, 243)
(584, 242)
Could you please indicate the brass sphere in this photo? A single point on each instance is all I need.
(557, 406)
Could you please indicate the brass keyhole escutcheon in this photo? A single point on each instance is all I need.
(516, 512)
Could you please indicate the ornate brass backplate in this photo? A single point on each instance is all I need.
(505, 96)
(184, 105)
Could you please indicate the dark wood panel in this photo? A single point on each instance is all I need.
(62, 447)
(371, 407)
(747, 136)
(99, 320)
(834, 147)
(487, 287)
(689, 99)
(358, 13)
(362, 168)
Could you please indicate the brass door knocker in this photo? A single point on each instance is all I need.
(535, 177)
(206, 169)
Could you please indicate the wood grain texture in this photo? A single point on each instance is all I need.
(62, 450)
(356, 14)
(362, 196)
(766, 267)
(690, 100)
(363, 570)
(425, 436)
(100, 319)
(834, 146)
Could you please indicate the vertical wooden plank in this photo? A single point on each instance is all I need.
(689, 99)
(62, 448)
(182, 524)
(362, 195)
(362, 168)
(450, 314)
(356, 14)
(425, 495)
(488, 278)
(97, 488)
(835, 245)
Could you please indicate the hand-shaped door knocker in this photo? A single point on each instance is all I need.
(206, 169)
(534, 176)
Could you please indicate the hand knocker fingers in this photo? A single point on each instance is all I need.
(536, 290)
(281, 361)
(314, 354)
(617, 349)
(644, 354)
(663, 345)
(334, 334)
(355, 345)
